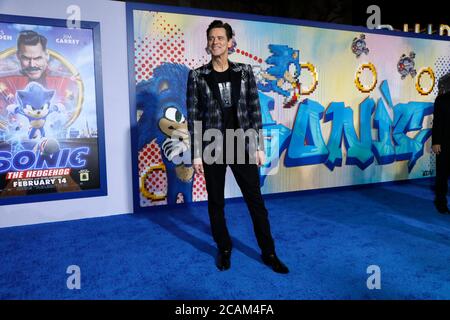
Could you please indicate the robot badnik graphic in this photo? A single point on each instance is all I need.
(359, 46)
(406, 65)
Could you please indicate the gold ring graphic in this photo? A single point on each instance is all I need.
(150, 195)
(312, 69)
(419, 87)
(358, 83)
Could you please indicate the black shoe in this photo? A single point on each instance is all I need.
(441, 207)
(223, 261)
(272, 261)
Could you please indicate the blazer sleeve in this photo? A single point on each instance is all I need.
(437, 136)
(194, 115)
(255, 108)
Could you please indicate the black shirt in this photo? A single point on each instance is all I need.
(223, 80)
(229, 111)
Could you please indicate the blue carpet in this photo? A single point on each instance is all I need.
(327, 238)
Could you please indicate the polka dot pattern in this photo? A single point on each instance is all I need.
(441, 67)
(149, 156)
(249, 55)
(152, 173)
(166, 44)
(199, 188)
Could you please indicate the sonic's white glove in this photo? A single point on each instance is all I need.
(11, 108)
(60, 107)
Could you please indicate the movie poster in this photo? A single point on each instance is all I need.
(49, 111)
(340, 105)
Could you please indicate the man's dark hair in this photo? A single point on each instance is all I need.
(31, 38)
(220, 24)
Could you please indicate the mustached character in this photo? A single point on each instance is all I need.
(34, 102)
(162, 108)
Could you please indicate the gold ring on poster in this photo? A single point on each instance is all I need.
(312, 69)
(144, 191)
(419, 88)
(358, 83)
(75, 75)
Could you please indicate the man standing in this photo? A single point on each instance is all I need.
(441, 144)
(222, 95)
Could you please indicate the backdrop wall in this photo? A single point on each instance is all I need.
(340, 105)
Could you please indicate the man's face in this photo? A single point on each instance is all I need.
(33, 60)
(218, 43)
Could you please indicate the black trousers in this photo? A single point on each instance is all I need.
(247, 177)
(442, 175)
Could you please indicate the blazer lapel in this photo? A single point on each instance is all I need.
(236, 76)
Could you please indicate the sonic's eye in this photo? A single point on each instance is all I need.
(28, 107)
(292, 69)
(45, 106)
(174, 115)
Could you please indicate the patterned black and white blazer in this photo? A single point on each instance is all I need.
(205, 105)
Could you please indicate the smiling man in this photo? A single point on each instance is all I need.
(33, 57)
(222, 97)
